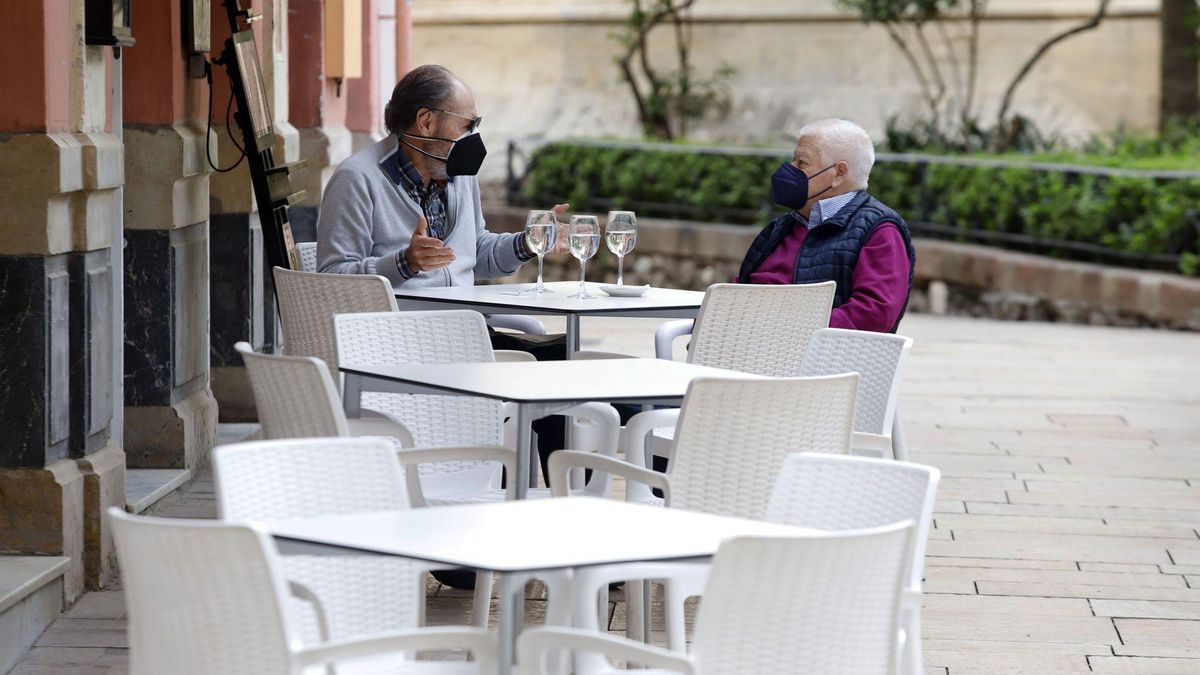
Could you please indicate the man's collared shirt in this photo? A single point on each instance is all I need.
(435, 205)
(827, 208)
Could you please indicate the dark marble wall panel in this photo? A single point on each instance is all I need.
(242, 301)
(34, 361)
(90, 350)
(149, 318)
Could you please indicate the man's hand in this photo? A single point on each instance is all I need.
(426, 253)
(562, 243)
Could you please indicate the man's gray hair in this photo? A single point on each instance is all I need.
(844, 141)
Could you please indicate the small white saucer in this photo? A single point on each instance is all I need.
(625, 291)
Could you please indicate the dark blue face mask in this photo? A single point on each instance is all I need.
(789, 186)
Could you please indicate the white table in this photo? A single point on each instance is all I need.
(539, 388)
(521, 538)
(661, 303)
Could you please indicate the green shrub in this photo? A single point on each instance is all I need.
(1133, 220)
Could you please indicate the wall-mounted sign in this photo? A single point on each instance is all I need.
(197, 25)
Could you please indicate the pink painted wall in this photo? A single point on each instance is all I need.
(364, 112)
(155, 69)
(40, 35)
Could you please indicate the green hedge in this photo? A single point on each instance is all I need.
(1137, 220)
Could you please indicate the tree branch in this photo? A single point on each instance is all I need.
(926, 91)
(1006, 102)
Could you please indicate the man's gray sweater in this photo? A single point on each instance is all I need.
(367, 219)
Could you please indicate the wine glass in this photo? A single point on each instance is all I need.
(620, 233)
(584, 238)
(541, 231)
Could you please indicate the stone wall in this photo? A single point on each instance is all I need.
(544, 69)
(963, 279)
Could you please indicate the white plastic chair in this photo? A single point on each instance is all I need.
(879, 359)
(732, 438)
(756, 329)
(822, 603)
(308, 301)
(454, 336)
(295, 397)
(846, 493)
(207, 597)
(307, 251)
(348, 596)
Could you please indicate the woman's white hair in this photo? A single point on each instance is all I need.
(844, 141)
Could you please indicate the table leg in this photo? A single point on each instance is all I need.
(572, 335)
(512, 614)
(572, 347)
(524, 448)
(352, 395)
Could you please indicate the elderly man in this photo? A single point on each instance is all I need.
(836, 231)
(408, 207)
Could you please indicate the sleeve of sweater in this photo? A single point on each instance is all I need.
(344, 241)
(496, 254)
(878, 285)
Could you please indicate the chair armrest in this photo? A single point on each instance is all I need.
(512, 355)
(665, 336)
(862, 441)
(536, 644)
(486, 453)
(480, 643)
(381, 424)
(304, 593)
(563, 461)
(517, 322)
(639, 426)
(596, 356)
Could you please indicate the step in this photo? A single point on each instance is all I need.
(144, 487)
(31, 598)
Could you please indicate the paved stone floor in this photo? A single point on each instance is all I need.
(1066, 530)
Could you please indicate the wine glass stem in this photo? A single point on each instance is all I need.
(541, 262)
(620, 270)
(582, 272)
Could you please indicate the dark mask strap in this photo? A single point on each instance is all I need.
(430, 155)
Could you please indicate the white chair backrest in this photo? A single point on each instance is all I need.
(435, 337)
(848, 493)
(202, 597)
(300, 478)
(295, 395)
(878, 357)
(733, 435)
(307, 250)
(830, 602)
(759, 329)
(273, 480)
(308, 301)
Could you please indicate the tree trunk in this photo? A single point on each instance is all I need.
(1180, 84)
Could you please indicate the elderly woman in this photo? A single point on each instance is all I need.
(836, 231)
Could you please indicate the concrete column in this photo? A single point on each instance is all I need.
(317, 106)
(239, 277)
(364, 115)
(60, 167)
(170, 412)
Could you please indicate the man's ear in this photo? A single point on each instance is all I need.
(840, 173)
(424, 122)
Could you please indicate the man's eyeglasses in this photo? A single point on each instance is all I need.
(475, 121)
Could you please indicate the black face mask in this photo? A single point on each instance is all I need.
(466, 155)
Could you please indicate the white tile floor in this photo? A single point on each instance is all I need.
(1066, 532)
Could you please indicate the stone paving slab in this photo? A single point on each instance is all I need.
(1066, 531)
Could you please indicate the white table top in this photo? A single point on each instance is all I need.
(607, 380)
(654, 300)
(528, 535)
